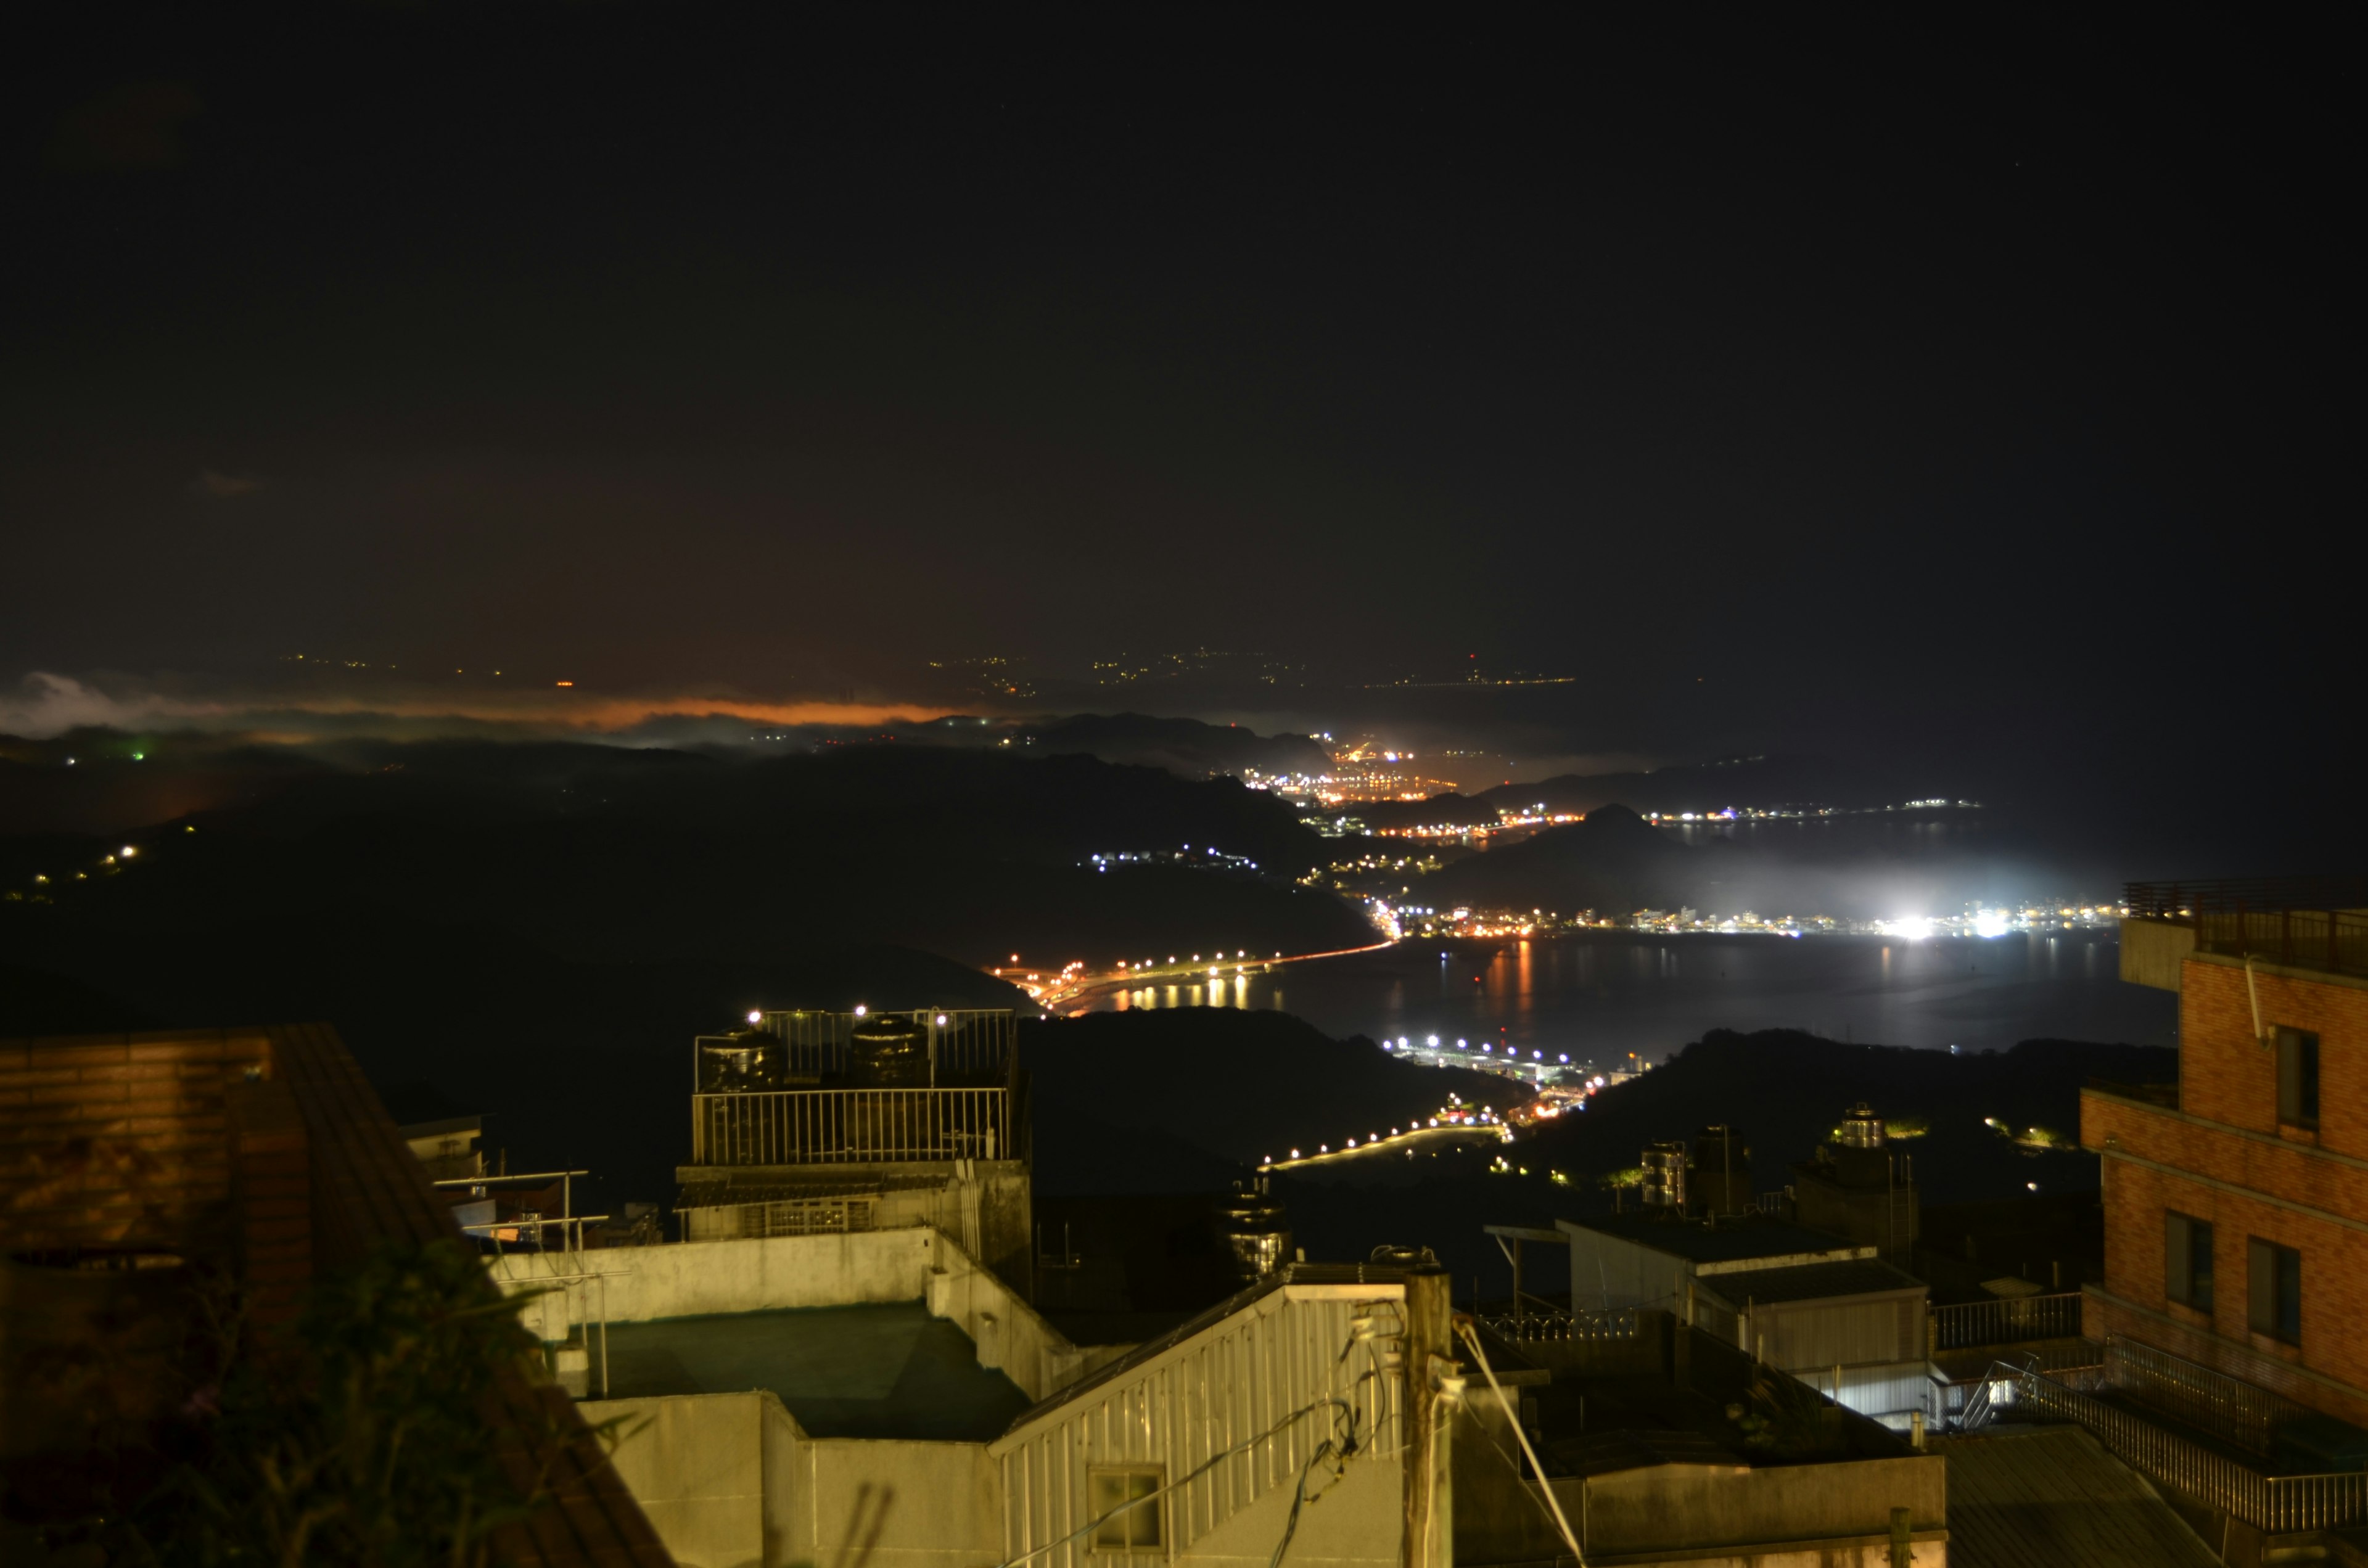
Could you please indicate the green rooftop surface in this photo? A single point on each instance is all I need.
(868, 1371)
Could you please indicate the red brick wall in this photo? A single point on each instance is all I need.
(2226, 1075)
(272, 1195)
(118, 1141)
(2226, 1078)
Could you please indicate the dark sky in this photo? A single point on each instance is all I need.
(1994, 375)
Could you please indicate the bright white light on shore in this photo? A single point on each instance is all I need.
(1915, 927)
(1990, 923)
(1431, 1039)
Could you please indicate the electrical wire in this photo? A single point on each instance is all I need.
(1213, 1460)
(1463, 1326)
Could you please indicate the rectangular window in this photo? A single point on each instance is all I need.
(1125, 1509)
(2297, 1078)
(2187, 1260)
(2273, 1288)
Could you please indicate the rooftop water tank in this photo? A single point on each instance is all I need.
(886, 1051)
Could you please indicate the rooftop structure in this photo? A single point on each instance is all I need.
(812, 1122)
(1824, 1308)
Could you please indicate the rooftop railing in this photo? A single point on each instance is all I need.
(2005, 1322)
(806, 1126)
(2306, 922)
(2276, 1505)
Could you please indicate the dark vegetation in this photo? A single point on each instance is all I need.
(358, 1434)
(1125, 1100)
(1784, 1089)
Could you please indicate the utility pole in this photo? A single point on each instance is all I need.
(1428, 1362)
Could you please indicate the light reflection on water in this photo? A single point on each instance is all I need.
(1602, 997)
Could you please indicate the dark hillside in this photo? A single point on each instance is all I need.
(1787, 1089)
(1237, 1084)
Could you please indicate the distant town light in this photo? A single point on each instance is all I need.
(129, 850)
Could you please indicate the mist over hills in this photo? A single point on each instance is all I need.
(1185, 746)
(1612, 861)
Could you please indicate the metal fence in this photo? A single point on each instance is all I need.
(804, 1127)
(2228, 1408)
(2310, 922)
(2273, 1504)
(967, 1046)
(2005, 1322)
(1618, 1323)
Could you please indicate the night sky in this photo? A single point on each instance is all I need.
(1794, 379)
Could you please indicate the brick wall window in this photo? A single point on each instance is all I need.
(1133, 1530)
(2273, 1285)
(2187, 1260)
(2297, 1078)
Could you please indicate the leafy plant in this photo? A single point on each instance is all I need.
(361, 1434)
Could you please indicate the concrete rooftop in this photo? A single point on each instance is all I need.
(861, 1371)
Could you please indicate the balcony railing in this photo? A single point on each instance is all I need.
(2006, 1321)
(2275, 1504)
(2228, 1408)
(2308, 922)
(805, 1127)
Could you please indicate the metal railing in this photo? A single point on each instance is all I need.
(1618, 1323)
(2308, 922)
(2212, 1401)
(2274, 1504)
(805, 1127)
(969, 1046)
(2006, 1321)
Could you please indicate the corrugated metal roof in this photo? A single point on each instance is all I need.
(1810, 1282)
(1728, 1241)
(2054, 1496)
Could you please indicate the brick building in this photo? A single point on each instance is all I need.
(2236, 1207)
(131, 1164)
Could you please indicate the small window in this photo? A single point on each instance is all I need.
(1126, 1509)
(2273, 1285)
(2297, 1078)
(2187, 1260)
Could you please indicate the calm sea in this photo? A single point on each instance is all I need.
(1601, 996)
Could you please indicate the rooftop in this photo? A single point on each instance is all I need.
(2054, 1496)
(862, 1371)
(1732, 1240)
(2317, 922)
(1813, 1281)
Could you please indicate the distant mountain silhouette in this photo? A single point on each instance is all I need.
(1613, 862)
(1449, 810)
(1185, 746)
(1713, 786)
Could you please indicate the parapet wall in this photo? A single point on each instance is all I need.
(767, 1274)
